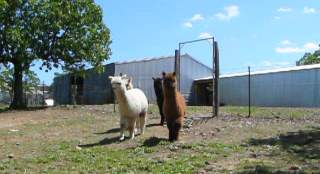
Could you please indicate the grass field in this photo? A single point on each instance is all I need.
(84, 139)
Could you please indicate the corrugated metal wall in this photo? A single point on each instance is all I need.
(61, 90)
(143, 71)
(97, 87)
(299, 88)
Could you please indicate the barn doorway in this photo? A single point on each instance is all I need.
(76, 90)
(203, 92)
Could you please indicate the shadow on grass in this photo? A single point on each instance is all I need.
(115, 130)
(34, 108)
(2, 110)
(263, 169)
(153, 124)
(153, 141)
(303, 144)
(105, 141)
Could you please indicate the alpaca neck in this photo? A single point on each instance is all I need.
(171, 95)
(159, 93)
(121, 95)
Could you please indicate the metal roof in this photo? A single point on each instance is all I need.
(145, 59)
(159, 58)
(276, 70)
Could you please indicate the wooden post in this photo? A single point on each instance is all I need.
(177, 66)
(114, 103)
(43, 98)
(216, 78)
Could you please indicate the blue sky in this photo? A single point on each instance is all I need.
(262, 34)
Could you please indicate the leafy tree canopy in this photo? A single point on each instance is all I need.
(309, 58)
(60, 33)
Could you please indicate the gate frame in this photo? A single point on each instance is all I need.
(215, 70)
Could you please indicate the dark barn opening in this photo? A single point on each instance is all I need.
(203, 92)
(76, 89)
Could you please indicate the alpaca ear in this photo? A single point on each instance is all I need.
(130, 80)
(174, 73)
(163, 74)
(110, 77)
(120, 74)
(153, 78)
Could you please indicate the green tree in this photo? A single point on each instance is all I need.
(309, 58)
(30, 81)
(60, 33)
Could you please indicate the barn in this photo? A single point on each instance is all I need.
(297, 86)
(95, 88)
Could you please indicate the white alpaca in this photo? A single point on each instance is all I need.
(133, 106)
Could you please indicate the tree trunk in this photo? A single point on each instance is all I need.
(18, 102)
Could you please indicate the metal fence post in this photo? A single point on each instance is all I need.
(249, 91)
(216, 78)
(177, 66)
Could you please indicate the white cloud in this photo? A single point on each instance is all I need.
(289, 50)
(196, 17)
(229, 13)
(205, 35)
(311, 46)
(284, 9)
(188, 24)
(307, 47)
(277, 17)
(284, 63)
(266, 63)
(309, 10)
(286, 42)
(274, 64)
(193, 19)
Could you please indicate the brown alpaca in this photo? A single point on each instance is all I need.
(173, 105)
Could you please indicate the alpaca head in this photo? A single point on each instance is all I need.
(169, 80)
(121, 82)
(157, 83)
(129, 85)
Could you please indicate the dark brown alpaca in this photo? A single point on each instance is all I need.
(173, 105)
(157, 84)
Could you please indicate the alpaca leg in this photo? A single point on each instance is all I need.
(142, 122)
(162, 119)
(175, 131)
(137, 126)
(131, 127)
(170, 130)
(161, 114)
(171, 135)
(122, 128)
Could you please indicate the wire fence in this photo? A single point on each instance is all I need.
(36, 97)
(285, 86)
